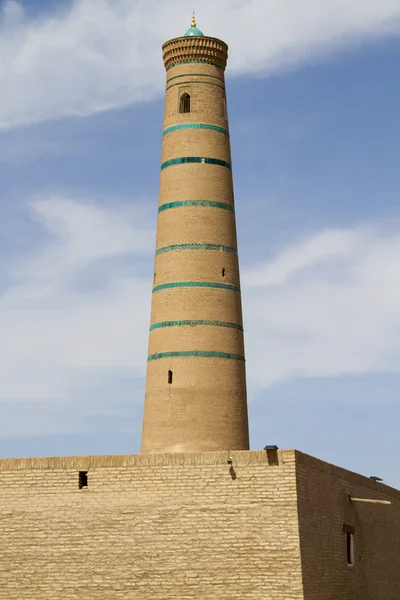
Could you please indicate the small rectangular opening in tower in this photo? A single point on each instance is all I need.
(349, 533)
(170, 376)
(83, 479)
(223, 272)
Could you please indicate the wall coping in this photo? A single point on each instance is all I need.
(346, 475)
(242, 458)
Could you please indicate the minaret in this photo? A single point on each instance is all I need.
(196, 380)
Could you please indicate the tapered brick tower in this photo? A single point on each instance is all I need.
(196, 380)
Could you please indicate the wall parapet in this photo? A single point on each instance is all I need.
(316, 464)
(241, 458)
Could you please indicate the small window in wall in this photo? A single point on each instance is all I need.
(83, 479)
(184, 103)
(350, 548)
(170, 376)
(154, 278)
(223, 272)
(349, 537)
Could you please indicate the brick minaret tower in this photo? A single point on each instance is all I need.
(196, 380)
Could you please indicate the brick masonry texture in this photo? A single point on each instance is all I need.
(205, 406)
(154, 527)
(323, 498)
(188, 526)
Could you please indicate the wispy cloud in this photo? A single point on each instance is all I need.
(65, 322)
(103, 54)
(327, 306)
(75, 317)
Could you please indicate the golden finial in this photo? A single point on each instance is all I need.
(193, 20)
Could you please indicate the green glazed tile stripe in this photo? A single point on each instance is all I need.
(195, 83)
(192, 62)
(196, 284)
(201, 353)
(195, 159)
(195, 75)
(195, 323)
(195, 126)
(210, 203)
(218, 247)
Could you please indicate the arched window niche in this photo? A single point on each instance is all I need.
(184, 103)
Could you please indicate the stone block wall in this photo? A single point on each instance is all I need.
(191, 526)
(156, 527)
(324, 512)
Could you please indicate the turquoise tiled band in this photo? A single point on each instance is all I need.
(218, 247)
(196, 159)
(196, 284)
(201, 353)
(192, 62)
(209, 203)
(195, 83)
(195, 75)
(195, 126)
(163, 324)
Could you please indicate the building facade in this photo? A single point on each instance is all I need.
(196, 381)
(192, 525)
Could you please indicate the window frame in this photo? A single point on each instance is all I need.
(185, 99)
(349, 538)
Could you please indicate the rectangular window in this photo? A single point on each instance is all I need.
(349, 537)
(169, 376)
(83, 479)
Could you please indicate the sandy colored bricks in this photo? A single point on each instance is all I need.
(173, 526)
(196, 377)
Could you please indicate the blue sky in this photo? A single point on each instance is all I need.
(313, 97)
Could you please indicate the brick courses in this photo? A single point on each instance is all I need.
(205, 406)
(185, 526)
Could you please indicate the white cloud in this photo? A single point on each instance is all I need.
(327, 306)
(76, 316)
(330, 245)
(59, 329)
(102, 54)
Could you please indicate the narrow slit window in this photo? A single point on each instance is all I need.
(349, 533)
(170, 376)
(223, 272)
(83, 479)
(184, 103)
(154, 278)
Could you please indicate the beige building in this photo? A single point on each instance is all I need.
(196, 516)
(193, 526)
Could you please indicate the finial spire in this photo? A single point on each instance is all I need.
(192, 31)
